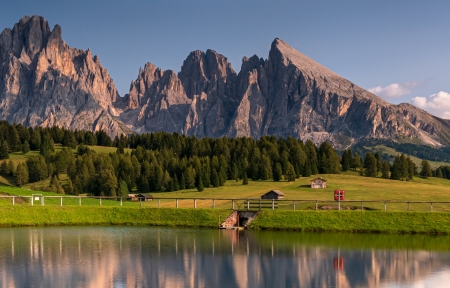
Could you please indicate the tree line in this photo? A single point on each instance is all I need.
(170, 162)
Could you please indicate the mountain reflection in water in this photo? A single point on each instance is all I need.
(181, 257)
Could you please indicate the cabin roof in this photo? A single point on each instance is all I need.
(276, 191)
(145, 195)
(319, 179)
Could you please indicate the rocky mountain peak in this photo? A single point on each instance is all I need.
(45, 82)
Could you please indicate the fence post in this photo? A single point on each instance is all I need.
(14, 200)
(42, 201)
(317, 205)
(362, 208)
(213, 203)
(273, 204)
(176, 203)
(431, 207)
(259, 203)
(60, 201)
(140, 202)
(294, 205)
(248, 204)
(408, 206)
(32, 200)
(384, 205)
(120, 201)
(159, 203)
(339, 203)
(100, 201)
(79, 200)
(195, 203)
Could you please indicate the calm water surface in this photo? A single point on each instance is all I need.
(181, 257)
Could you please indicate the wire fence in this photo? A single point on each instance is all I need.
(243, 204)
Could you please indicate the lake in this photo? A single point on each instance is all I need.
(118, 256)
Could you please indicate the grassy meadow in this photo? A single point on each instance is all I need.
(356, 188)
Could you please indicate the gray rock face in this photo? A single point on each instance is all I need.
(286, 95)
(44, 82)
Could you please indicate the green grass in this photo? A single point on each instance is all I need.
(356, 188)
(87, 215)
(354, 221)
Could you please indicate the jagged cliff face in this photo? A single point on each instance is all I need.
(44, 82)
(286, 95)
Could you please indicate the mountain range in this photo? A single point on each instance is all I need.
(45, 82)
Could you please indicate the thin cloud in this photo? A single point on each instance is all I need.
(437, 104)
(393, 90)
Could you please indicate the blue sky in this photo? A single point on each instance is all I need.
(397, 49)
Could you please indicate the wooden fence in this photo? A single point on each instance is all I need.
(237, 203)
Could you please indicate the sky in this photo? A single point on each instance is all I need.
(397, 49)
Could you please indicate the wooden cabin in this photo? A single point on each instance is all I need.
(273, 194)
(144, 197)
(319, 183)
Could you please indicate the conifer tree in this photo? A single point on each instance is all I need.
(370, 163)
(244, 179)
(346, 160)
(21, 175)
(385, 170)
(11, 168)
(215, 178)
(426, 169)
(307, 169)
(182, 182)
(290, 173)
(4, 169)
(199, 181)
(176, 186)
(4, 150)
(25, 147)
(277, 172)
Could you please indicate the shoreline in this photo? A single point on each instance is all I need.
(306, 221)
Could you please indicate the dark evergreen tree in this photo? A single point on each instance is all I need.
(176, 186)
(385, 170)
(346, 160)
(182, 182)
(356, 162)
(122, 190)
(4, 150)
(21, 175)
(13, 139)
(215, 178)
(25, 147)
(277, 172)
(11, 168)
(290, 173)
(379, 162)
(199, 181)
(244, 179)
(328, 161)
(426, 169)
(307, 169)
(370, 164)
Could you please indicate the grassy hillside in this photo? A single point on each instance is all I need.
(391, 153)
(356, 188)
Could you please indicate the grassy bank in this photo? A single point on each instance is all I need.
(88, 215)
(354, 221)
